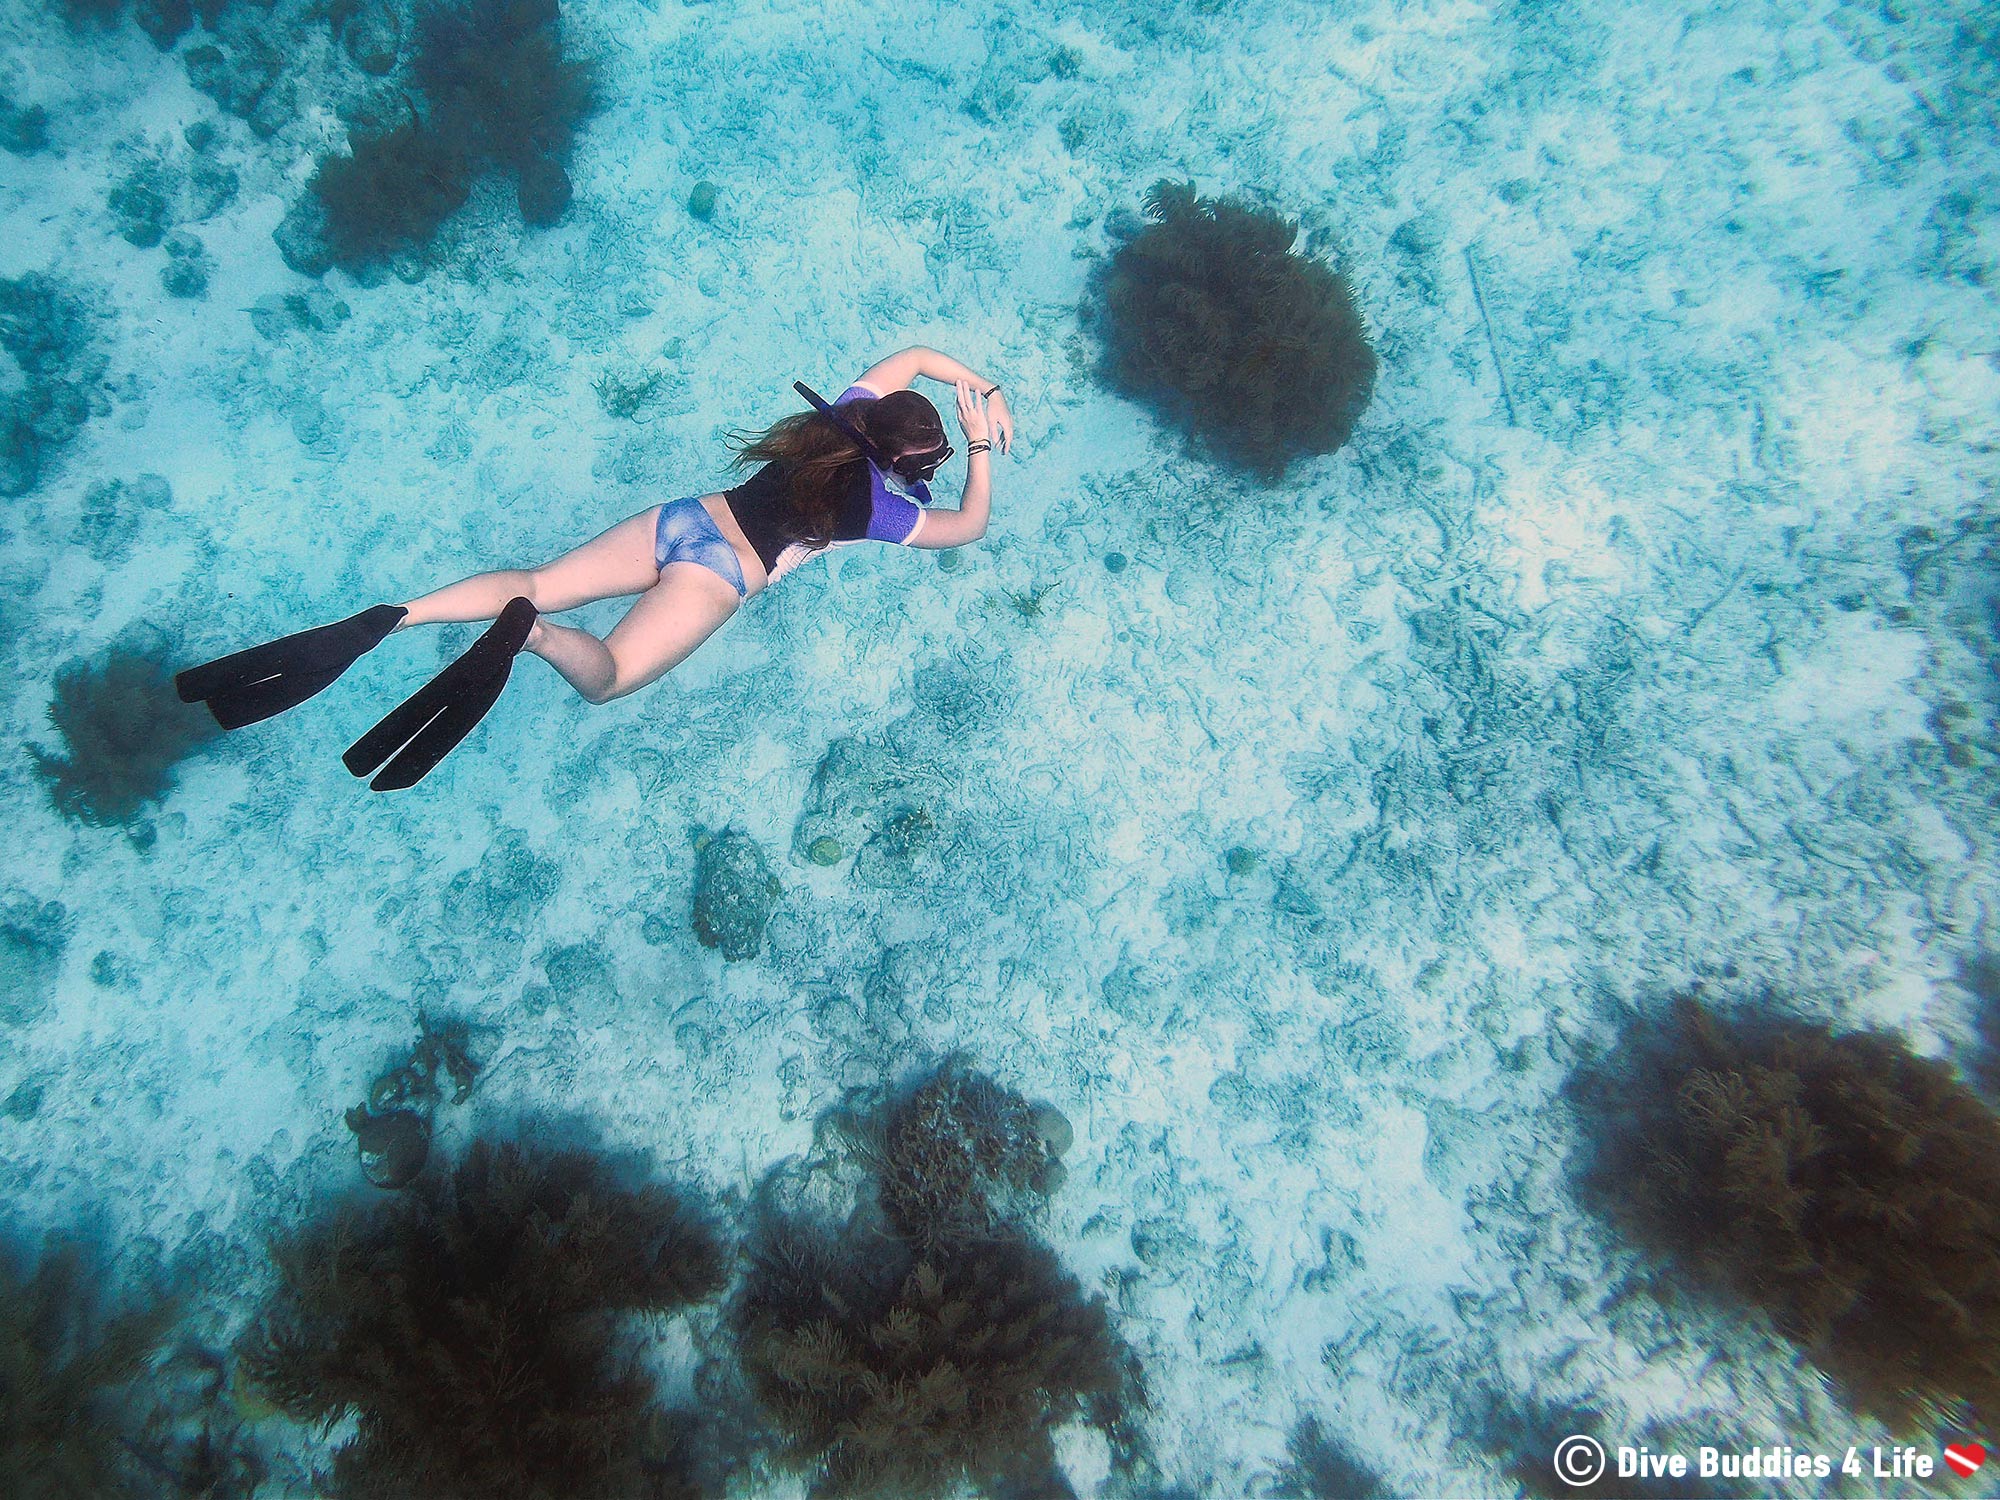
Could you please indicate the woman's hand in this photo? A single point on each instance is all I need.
(1003, 420)
(971, 412)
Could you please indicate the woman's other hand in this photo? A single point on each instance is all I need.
(971, 412)
(1002, 419)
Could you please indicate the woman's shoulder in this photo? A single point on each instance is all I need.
(858, 392)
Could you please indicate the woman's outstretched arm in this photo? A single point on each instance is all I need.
(899, 369)
(954, 528)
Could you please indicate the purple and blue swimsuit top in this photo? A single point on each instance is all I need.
(870, 511)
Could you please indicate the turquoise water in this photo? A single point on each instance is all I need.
(1643, 635)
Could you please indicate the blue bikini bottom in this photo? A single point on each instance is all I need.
(688, 533)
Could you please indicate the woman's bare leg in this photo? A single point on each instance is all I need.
(678, 608)
(658, 633)
(608, 566)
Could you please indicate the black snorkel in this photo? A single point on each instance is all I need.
(874, 455)
(860, 440)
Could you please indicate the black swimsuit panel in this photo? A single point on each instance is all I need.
(763, 509)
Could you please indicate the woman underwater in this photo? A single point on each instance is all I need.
(825, 481)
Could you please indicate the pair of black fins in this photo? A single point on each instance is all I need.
(406, 746)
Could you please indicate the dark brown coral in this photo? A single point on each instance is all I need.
(472, 1326)
(65, 1425)
(1209, 316)
(959, 1155)
(1842, 1183)
(124, 731)
(897, 1375)
(936, 1344)
(392, 191)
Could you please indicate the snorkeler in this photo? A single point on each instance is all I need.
(825, 481)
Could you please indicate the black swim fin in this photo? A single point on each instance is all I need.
(264, 680)
(423, 729)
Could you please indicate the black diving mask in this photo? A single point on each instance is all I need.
(919, 467)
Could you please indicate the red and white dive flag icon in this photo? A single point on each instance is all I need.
(1964, 1458)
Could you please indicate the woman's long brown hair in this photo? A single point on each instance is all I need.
(820, 458)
